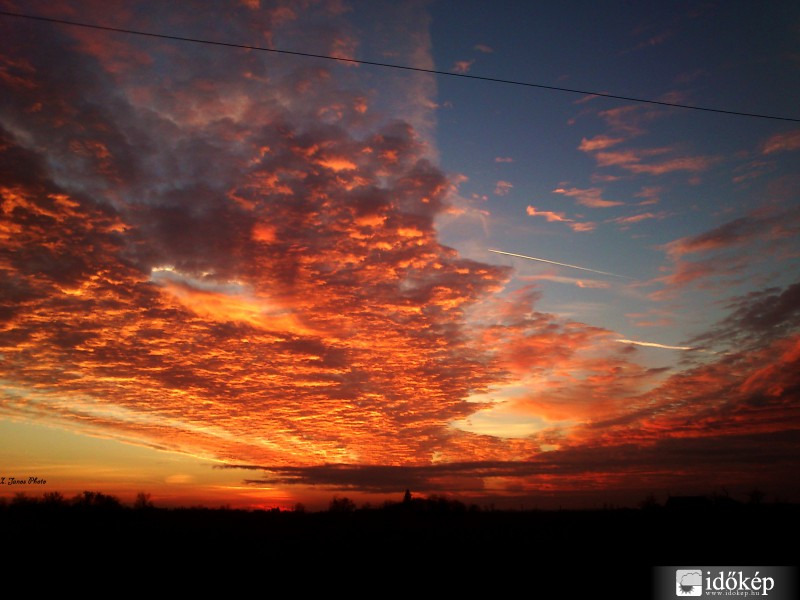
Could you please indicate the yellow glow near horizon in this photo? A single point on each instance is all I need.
(71, 462)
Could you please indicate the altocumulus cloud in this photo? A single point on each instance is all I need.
(218, 252)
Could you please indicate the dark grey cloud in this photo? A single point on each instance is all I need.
(755, 319)
(693, 462)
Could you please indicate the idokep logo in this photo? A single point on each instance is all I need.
(762, 582)
(691, 582)
(688, 582)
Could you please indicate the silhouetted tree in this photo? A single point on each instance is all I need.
(53, 499)
(96, 500)
(724, 500)
(22, 499)
(300, 508)
(755, 497)
(142, 501)
(342, 505)
(407, 497)
(649, 503)
(443, 504)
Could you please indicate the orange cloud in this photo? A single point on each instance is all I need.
(782, 142)
(344, 46)
(731, 233)
(556, 217)
(690, 163)
(631, 160)
(307, 303)
(599, 142)
(627, 119)
(586, 226)
(236, 307)
(651, 195)
(564, 373)
(752, 382)
(588, 197)
(721, 257)
(338, 164)
(552, 217)
(502, 188)
(640, 217)
(581, 283)
(462, 66)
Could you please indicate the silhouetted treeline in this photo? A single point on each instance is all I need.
(53, 500)
(433, 538)
(437, 504)
(415, 521)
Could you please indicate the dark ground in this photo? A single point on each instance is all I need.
(443, 542)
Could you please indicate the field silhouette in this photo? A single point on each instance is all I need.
(689, 530)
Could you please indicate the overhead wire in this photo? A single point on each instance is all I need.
(396, 66)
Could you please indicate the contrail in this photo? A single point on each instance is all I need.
(552, 262)
(655, 345)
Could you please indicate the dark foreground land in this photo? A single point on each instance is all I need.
(423, 535)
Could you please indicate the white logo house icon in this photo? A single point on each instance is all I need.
(688, 582)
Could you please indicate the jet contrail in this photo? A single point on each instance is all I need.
(552, 262)
(655, 345)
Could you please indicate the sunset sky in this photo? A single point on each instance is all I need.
(232, 276)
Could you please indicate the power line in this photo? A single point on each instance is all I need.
(393, 66)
